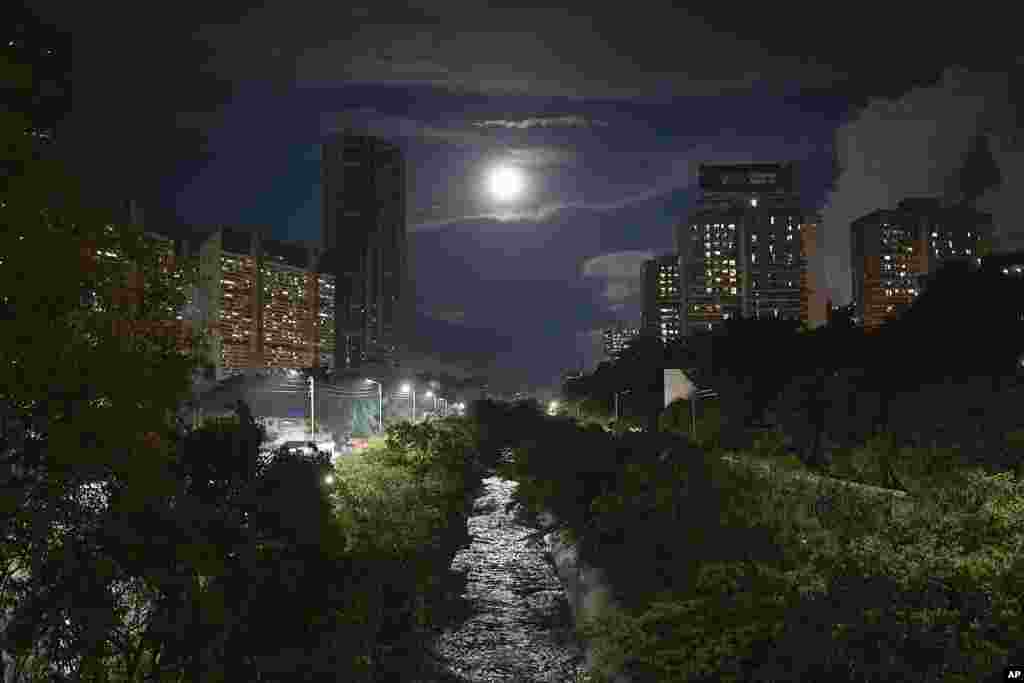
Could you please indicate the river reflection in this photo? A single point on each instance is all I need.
(515, 623)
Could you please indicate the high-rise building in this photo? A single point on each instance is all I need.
(894, 251)
(364, 238)
(263, 301)
(616, 339)
(741, 253)
(662, 298)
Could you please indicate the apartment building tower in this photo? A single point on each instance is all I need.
(266, 302)
(741, 252)
(894, 251)
(365, 246)
(662, 298)
(616, 339)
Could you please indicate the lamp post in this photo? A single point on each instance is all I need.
(431, 394)
(312, 414)
(407, 387)
(380, 405)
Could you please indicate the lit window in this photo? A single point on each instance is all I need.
(753, 202)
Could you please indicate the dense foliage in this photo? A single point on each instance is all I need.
(134, 548)
(733, 569)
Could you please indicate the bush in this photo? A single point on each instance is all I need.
(710, 422)
(770, 444)
(881, 463)
(942, 581)
(789, 577)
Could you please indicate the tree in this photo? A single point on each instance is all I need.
(640, 369)
(88, 390)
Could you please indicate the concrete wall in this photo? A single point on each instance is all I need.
(586, 588)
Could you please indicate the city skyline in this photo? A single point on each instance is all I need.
(608, 149)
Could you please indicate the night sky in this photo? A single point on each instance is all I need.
(215, 116)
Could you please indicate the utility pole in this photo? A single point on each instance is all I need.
(312, 413)
(693, 417)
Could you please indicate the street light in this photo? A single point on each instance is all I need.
(312, 412)
(380, 404)
(431, 394)
(407, 387)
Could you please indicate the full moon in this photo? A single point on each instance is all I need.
(506, 182)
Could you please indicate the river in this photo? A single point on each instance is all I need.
(512, 621)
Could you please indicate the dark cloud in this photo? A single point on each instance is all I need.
(1004, 200)
(143, 99)
(152, 81)
(584, 52)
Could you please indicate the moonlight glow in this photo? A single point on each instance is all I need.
(505, 183)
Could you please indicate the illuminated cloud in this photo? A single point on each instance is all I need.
(572, 121)
(616, 52)
(622, 273)
(911, 146)
(678, 175)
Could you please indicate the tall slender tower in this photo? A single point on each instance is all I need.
(365, 246)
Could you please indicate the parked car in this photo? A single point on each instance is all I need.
(298, 447)
(305, 450)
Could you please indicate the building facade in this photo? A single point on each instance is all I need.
(894, 251)
(662, 298)
(365, 246)
(266, 302)
(616, 339)
(741, 253)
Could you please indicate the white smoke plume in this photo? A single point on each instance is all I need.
(915, 146)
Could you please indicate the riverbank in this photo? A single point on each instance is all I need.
(730, 569)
